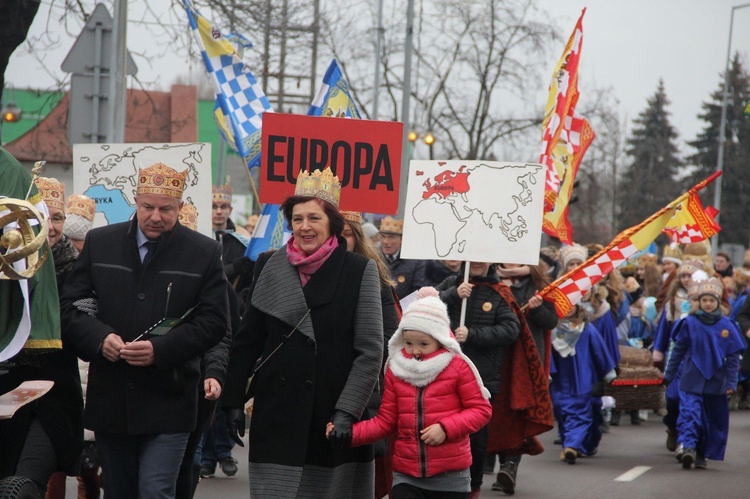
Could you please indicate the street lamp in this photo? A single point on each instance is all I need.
(723, 126)
(429, 139)
(11, 112)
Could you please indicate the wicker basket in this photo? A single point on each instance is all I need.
(632, 356)
(636, 388)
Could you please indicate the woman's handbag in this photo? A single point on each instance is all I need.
(250, 387)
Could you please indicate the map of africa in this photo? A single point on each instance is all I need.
(474, 211)
(108, 173)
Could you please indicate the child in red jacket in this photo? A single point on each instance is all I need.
(434, 399)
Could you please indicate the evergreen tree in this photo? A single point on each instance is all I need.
(735, 183)
(649, 179)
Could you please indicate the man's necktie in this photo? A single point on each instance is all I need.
(151, 246)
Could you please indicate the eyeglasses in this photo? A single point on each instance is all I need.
(57, 220)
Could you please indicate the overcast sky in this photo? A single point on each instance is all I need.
(628, 45)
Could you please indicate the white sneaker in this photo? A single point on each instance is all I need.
(678, 453)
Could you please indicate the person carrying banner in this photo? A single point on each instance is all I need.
(524, 281)
(313, 323)
(141, 400)
(579, 361)
(489, 329)
(408, 274)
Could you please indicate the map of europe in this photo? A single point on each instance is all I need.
(477, 205)
(108, 173)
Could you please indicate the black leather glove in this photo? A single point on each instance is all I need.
(242, 265)
(235, 424)
(341, 436)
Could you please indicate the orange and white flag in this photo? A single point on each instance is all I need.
(563, 94)
(692, 223)
(568, 290)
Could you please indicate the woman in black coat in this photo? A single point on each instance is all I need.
(314, 319)
(490, 326)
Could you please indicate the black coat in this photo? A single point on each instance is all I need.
(408, 274)
(540, 319)
(492, 326)
(330, 363)
(743, 318)
(161, 398)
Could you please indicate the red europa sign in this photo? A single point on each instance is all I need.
(364, 154)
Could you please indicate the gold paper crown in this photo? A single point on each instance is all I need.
(81, 205)
(647, 259)
(322, 185)
(689, 267)
(189, 216)
(713, 287)
(52, 191)
(222, 193)
(161, 179)
(353, 216)
(692, 289)
(391, 226)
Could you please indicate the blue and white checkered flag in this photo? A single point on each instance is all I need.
(240, 101)
(333, 98)
(270, 232)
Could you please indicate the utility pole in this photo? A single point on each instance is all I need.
(378, 45)
(117, 88)
(408, 48)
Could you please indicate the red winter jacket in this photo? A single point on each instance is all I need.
(453, 399)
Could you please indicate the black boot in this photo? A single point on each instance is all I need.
(506, 478)
(615, 421)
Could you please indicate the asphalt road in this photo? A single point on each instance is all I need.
(640, 450)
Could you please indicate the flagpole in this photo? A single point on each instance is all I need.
(627, 232)
(465, 300)
(256, 198)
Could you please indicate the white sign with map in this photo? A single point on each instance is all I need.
(108, 173)
(477, 211)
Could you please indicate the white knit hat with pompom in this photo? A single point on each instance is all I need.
(429, 315)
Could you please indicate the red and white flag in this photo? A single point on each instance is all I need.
(563, 94)
(568, 290)
(692, 223)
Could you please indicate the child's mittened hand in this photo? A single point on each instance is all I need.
(433, 434)
(329, 429)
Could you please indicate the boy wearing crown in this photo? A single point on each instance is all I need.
(710, 345)
(142, 394)
(408, 274)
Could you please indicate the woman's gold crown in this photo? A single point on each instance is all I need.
(322, 185)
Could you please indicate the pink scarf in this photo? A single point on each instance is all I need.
(307, 265)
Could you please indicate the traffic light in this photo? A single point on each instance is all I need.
(11, 112)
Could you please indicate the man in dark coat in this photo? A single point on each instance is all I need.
(143, 389)
(408, 274)
(237, 267)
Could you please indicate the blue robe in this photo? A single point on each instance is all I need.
(606, 327)
(710, 354)
(573, 379)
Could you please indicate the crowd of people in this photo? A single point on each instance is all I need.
(175, 336)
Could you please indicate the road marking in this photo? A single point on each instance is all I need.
(631, 475)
